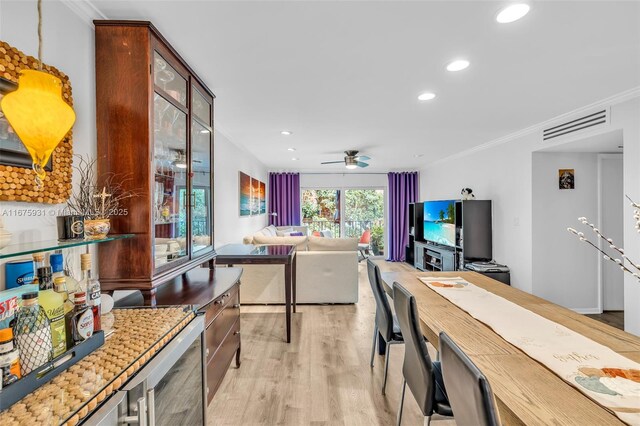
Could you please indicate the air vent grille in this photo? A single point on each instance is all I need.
(591, 120)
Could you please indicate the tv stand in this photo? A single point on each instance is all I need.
(473, 239)
(434, 258)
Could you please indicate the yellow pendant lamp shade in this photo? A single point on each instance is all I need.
(39, 115)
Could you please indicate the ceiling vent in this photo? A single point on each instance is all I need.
(600, 118)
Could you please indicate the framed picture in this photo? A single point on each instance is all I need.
(255, 196)
(245, 194)
(566, 179)
(263, 198)
(12, 151)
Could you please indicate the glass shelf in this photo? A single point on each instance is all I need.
(15, 250)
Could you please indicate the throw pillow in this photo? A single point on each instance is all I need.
(332, 244)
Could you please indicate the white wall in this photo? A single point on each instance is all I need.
(69, 46)
(502, 172)
(626, 116)
(503, 175)
(343, 180)
(557, 257)
(230, 160)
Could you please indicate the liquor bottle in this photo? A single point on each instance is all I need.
(53, 305)
(92, 287)
(57, 266)
(82, 318)
(32, 334)
(60, 287)
(56, 262)
(38, 262)
(9, 359)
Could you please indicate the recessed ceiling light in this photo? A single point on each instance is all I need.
(286, 133)
(426, 96)
(295, 159)
(419, 155)
(512, 13)
(458, 65)
(291, 149)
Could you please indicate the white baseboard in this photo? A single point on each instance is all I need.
(586, 311)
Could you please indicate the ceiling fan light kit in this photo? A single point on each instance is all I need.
(352, 160)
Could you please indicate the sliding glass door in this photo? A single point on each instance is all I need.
(364, 217)
(350, 212)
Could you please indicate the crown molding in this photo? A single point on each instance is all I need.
(85, 10)
(607, 102)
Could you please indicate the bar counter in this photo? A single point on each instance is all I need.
(71, 396)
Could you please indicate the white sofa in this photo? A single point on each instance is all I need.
(326, 271)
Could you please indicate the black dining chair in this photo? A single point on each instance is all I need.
(422, 375)
(467, 388)
(385, 324)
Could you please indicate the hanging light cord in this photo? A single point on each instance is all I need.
(40, 34)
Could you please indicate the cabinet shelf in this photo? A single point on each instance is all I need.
(21, 249)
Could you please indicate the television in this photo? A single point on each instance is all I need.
(440, 222)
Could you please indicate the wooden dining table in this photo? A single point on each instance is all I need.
(526, 391)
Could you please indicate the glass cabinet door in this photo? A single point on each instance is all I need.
(201, 197)
(169, 80)
(170, 197)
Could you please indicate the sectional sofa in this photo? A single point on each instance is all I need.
(327, 269)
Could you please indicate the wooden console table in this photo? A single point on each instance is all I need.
(247, 254)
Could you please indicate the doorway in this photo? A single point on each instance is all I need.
(565, 270)
(611, 213)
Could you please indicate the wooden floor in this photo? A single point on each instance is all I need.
(321, 378)
(612, 318)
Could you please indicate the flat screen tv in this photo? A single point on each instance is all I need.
(440, 222)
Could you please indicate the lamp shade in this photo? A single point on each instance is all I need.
(39, 115)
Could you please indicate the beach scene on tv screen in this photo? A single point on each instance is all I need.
(439, 222)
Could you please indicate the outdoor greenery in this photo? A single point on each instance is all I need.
(364, 209)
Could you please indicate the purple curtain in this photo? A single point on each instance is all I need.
(284, 199)
(403, 189)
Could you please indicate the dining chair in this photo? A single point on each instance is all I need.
(468, 390)
(385, 324)
(422, 375)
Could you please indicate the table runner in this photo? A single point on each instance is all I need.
(603, 375)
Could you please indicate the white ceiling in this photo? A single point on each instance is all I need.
(346, 75)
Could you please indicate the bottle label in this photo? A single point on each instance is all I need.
(58, 333)
(85, 324)
(94, 297)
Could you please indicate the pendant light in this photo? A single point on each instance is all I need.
(37, 112)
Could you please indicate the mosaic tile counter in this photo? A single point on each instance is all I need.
(74, 394)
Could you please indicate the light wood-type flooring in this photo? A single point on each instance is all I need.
(321, 378)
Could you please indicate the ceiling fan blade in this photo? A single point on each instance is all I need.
(333, 162)
(363, 158)
(361, 164)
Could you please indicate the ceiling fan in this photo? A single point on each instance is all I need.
(181, 159)
(352, 160)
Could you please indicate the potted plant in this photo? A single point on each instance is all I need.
(98, 202)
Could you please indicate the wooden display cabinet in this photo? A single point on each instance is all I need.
(155, 127)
